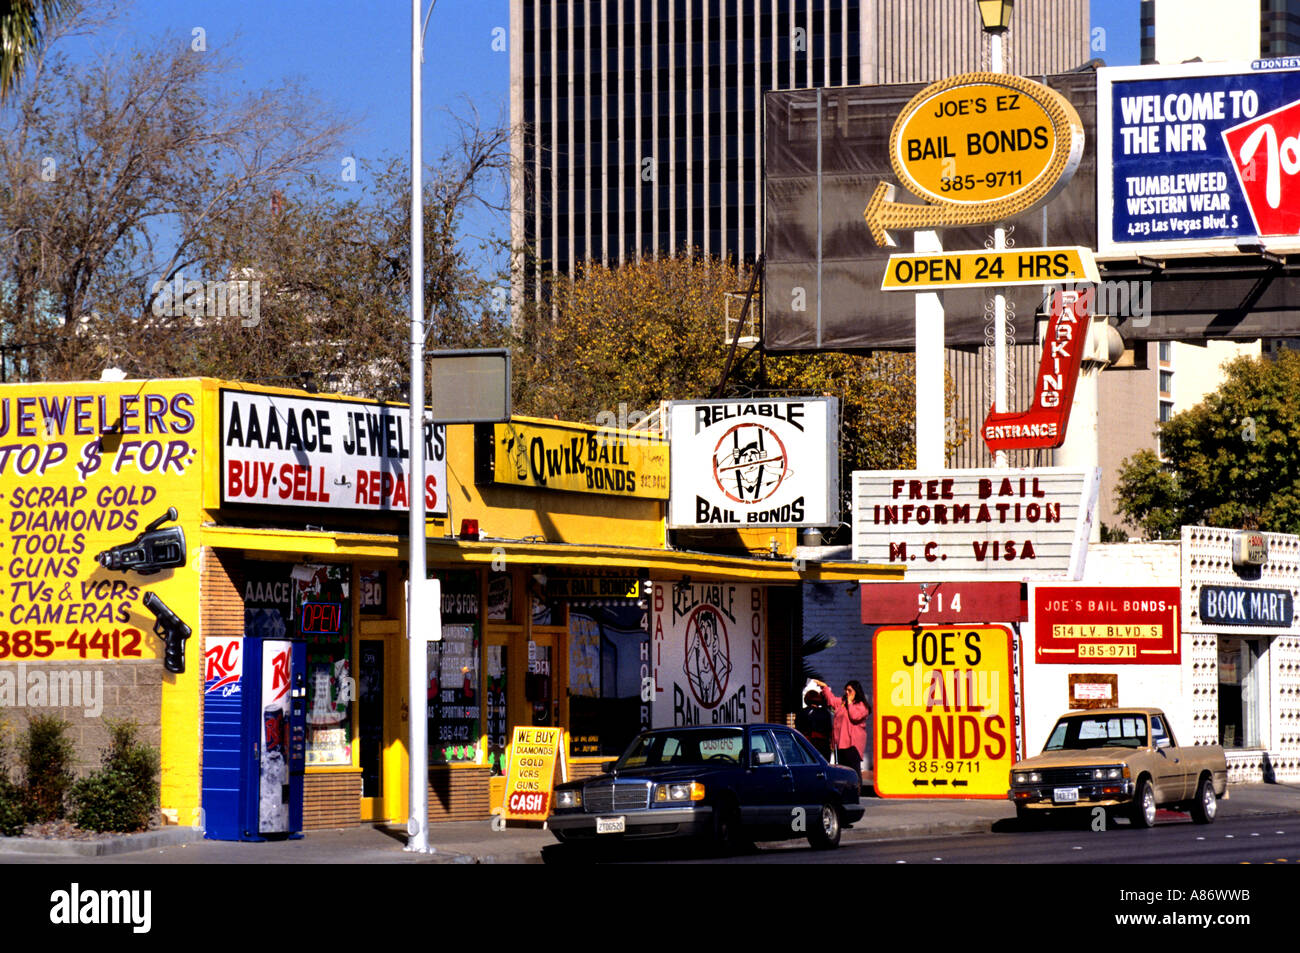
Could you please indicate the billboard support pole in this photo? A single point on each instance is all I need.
(930, 389)
(1000, 370)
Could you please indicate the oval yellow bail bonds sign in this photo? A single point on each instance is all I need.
(979, 147)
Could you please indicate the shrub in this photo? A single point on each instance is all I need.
(46, 753)
(122, 794)
(12, 816)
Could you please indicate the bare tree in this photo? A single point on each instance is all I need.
(333, 262)
(114, 174)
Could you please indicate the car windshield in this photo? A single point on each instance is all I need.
(1079, 732)
(695, 746)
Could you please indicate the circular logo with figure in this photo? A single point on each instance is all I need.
(708, 656)
(749, 463)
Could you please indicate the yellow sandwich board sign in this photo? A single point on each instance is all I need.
(530, 772)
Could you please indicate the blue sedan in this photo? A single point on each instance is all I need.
(732, 783)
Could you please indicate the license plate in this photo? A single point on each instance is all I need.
(610, 825)
(1065, 795)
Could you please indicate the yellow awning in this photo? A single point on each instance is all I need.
(661, 563)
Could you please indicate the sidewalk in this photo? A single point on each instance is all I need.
(475, 842)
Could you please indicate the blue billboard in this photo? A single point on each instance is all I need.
(1198, 159)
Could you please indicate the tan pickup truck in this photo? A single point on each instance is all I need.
(1125, 760)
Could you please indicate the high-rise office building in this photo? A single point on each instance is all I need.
(1177, 30)
(639, 122)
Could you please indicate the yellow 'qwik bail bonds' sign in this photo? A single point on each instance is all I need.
(978, 147)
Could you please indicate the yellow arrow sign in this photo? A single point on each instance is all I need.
(978, 148)
(1019, 266)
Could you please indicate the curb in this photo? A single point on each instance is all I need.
(103, 847)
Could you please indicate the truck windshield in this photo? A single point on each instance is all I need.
(1088, 731)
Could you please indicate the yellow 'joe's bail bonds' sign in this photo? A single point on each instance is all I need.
(530, 773)
(945, 725)
(978, 147)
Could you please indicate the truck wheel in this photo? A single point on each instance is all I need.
(1027, 819)
(1206, 804)
(1144, 805)
(825, 833)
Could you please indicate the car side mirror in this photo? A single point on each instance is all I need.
(764, 757)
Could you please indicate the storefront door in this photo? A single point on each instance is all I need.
(382, 729)
(541, 698)
(1240, 675)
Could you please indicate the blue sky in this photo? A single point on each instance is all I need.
(355, 56)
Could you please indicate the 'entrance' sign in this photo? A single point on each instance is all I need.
(1043, 424)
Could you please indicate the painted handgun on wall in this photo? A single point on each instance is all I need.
(169, 627)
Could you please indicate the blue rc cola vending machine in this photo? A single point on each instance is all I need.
(254, 737)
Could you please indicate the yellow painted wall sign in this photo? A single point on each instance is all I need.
(944, 720)
(979, 147)
(1017, 266)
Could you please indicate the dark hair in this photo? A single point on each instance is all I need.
(812, 697)
(858, 693)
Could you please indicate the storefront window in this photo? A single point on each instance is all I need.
(1240, 674)
(609, 658)
(454, 674)
(373, 592)
(323, 612)
(501, 596)
(496, 707)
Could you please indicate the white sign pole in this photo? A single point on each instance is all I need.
(930, 424)
(1000, 369)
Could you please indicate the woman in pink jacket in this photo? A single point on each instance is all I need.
(849, 733)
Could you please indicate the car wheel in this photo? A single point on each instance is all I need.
(825, 832)
(1144, 805)
(728, 833)
(1206, 804)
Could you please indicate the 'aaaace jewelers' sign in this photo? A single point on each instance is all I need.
(280, 450)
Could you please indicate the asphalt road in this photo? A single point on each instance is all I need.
(1175, 839)
(1228, 841)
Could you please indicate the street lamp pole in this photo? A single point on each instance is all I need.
(418, 817)
(995, 17)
